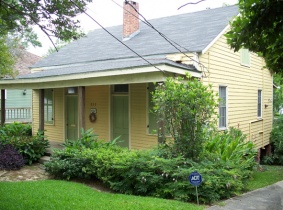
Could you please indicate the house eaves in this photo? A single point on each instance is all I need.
(89, 76)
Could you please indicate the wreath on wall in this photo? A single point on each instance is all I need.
(92, 117)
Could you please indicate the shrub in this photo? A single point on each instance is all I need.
(146, 173)
(15, 129)
(19, 136)
(88, 140)
(185, 106)
(276, 140)
(10, 159)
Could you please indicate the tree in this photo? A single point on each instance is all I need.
(277, 93)
(259, 28)
(186, 107)
(7, 60)
(54, 18)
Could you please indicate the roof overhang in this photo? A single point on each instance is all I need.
(106, 77)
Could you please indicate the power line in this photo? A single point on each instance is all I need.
(116, 37)
(170, 41)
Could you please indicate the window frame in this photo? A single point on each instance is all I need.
(48, 105)
(220, 126)
(259, 103)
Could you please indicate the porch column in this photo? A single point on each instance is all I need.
(81, 99)
(41, 109)
(3, 112)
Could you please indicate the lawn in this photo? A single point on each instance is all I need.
(55, 194)
(269, 175)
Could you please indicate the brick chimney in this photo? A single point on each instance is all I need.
(130, 20)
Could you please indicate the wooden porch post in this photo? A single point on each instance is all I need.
(41, 109)
(3, 112)
(81, 98)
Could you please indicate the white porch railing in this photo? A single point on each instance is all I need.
(18, 114)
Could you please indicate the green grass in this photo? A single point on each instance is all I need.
(54, 194)
(270, 175)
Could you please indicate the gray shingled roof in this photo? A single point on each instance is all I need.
(106, 65)
(194, 31)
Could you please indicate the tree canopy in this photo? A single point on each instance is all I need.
(54, 18)
(18, 18)
(259, 28)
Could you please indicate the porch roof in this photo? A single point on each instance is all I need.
(106, 72)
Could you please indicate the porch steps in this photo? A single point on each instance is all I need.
(49, 151)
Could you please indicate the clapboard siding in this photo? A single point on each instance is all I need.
(98, 97)
(243, 84)
(138, 106)
(55, 132)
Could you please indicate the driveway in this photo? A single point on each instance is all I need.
(267, 198)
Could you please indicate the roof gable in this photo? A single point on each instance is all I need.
(193, 31)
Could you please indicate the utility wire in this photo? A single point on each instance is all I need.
(170, 41)
(116, 37)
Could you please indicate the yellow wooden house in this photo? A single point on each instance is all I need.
(103, 81)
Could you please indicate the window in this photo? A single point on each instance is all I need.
(223, 107)
(245, 57)
(120, 89)
(48, 106)
(259, 103)
(152, 118)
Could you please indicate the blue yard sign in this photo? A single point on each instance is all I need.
(195, 178)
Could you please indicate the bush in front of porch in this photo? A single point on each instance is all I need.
(20, 137)
(225, 171)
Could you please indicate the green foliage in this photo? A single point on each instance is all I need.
(186, 107)
(230, 146)
(157, 173)
(7, 61)
(54, 18)
(15, 129)
(277, 93)
(87, 140)
(276, 139)
(259, 28)
(19, 136)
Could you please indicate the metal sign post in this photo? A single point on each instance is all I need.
(195, 179)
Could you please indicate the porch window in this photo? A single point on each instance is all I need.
(48, 106)
(152, 118)
(223, 107)
(245, 57)
(259, 103)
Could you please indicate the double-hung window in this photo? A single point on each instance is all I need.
(48, 106)
(222, 107)
(259, 103)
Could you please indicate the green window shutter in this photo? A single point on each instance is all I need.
(152, 118)
(245, 57)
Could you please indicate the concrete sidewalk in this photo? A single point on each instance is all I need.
(267, 198)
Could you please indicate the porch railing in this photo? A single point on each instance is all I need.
(18, 114)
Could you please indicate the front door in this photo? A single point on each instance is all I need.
(121, 119)
(72, 117)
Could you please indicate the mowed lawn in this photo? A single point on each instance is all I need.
(55, 194)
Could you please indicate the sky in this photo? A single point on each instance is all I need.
(110, 13)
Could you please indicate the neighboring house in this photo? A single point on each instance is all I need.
(19, 101)
(98, 83)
